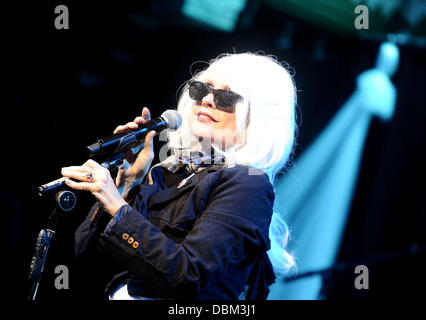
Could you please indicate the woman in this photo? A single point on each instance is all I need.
(200, 224)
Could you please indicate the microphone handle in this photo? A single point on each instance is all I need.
(58, 185)
(118, 143)
(110, 151)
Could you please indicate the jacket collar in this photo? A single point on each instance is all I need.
(170, 194)
(193, 164)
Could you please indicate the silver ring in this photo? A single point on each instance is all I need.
(89, 176)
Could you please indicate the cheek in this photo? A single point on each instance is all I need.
(227, 122)
(226, 130)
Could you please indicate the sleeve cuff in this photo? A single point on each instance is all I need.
(117, 217)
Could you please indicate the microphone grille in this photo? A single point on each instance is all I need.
(173, 119)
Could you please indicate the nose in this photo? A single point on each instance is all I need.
(208, 101)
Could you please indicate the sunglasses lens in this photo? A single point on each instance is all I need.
(223, 98)
(198, 90)
(226, 99)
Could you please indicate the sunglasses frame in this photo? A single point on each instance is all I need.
(236, 97)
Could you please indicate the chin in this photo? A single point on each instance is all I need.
(201, 130)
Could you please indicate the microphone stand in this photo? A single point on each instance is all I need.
(62, 200)
(65, 201)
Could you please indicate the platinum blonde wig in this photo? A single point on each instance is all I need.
(266, 127)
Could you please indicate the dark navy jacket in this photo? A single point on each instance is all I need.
(205, 240)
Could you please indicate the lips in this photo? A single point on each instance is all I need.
(201, 115)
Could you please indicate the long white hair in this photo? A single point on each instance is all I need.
(266, 127)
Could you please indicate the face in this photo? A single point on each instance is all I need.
(212, 123)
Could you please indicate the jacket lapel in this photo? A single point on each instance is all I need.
(167, 195)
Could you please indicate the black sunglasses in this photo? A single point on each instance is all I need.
(225, 99)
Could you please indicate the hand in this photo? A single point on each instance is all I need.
(136, 162)
(98, 181)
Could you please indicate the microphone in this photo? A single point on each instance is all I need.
(118, 143)
(110, 151)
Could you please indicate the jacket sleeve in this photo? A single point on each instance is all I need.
(90, 229)
(233, 226)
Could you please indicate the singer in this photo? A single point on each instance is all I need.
(200, 223)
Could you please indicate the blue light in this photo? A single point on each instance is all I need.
(316, 197)
(221, 14)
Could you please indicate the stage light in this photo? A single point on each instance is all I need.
(315, 198)
(221, 14)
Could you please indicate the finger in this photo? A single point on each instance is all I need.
(132, 125)
(149, 140)
(148, 150)
(75, 169)
(79, 185)
(92, 164)
(149, 143)
(146, 114)
(81, 176)
(127, 126)
(139, 120)
(120, 129)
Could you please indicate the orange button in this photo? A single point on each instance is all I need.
(135, 244)
(125, 236)
(130, 241)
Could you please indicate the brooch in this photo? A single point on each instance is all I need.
(185, 181)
